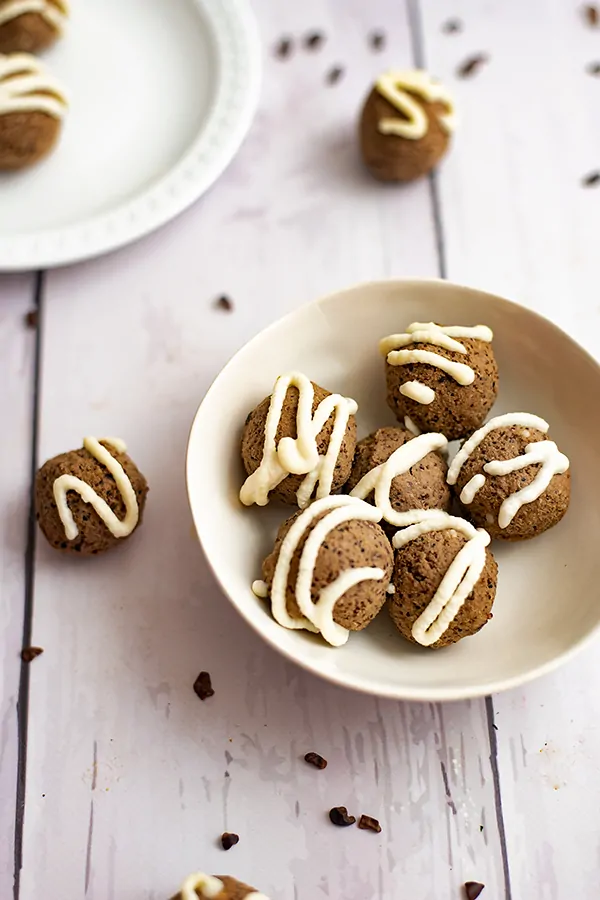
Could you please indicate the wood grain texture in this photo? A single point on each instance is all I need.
(17, 345)
(130, 778)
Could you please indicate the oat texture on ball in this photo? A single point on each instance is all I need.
(511, 479)
(443, 378)
(88, 500)
(330, 568)
(200, 886)
(445, 580)
(405, 126)
(29, 26)
(32, 109)
(298, 443)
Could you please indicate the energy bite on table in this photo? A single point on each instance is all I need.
(32, 108)
(28, 26)
(297, 443)
(445, 580)
(88, 500)
(511, 479)
(444, 378)
(216, 887)
(330, 568)
(405, 125)
(399, 473)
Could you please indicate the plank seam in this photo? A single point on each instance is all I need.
(493, 740)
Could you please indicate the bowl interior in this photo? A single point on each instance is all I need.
(547, 593)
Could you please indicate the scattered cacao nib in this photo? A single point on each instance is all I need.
(314, 40)
(29, 653)
(592, 15)
(229, 840)
(591, 179)
(224, 303)
(31, 318)
(339, 816)
(472, 65)
(593, 68)
(377, 40)
(452, 26)
(316, 760)
(203, 687)
(284, 48)
(368, 823)
(473, 889)
(334, 75)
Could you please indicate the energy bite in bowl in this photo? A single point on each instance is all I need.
(511, 479)
(200, 886)
(330, 568)
(445, 580)
(444, 378)
(399, 473)
(405, 125)
(28, 26)
(298, 443)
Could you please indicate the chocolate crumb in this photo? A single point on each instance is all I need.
(592, 15)
(377, 40)
(31, 319)
(591, 179)
(452, 26)
(284, 48)
(314, 40)
(472, 65)
(339, 816)
(481, 827)
(224, 303)
(29, 653)
(593, 68)
(203, 687)
(494, 726)
(316, 760)
(473, 889)
(229, 840)
(368, 823)
(334, 75)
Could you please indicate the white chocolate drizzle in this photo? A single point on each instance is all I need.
(401, 460)
(65, 483)
(25, 86)
(410, 426)
(260, 589)
(418, 392)
(54, 13)
(300, 455)
(209, 887)
(399, 88)
(318, 617)
(545, 454)
(460, 579)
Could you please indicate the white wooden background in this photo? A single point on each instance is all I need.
(126, 779)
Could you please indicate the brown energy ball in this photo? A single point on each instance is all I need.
(443, 403)
(32, 108)
(28, 26)
(90, 534)
(253, 444)
(405, 125)
(423, 486)
(420, 566)
(203, 886)
(484, 497)
(351, 545)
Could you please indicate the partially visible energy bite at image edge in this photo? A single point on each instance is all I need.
(200, 886)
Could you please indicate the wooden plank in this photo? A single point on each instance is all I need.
(17, 351)
(517, 220)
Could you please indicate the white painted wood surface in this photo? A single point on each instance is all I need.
(130, 779)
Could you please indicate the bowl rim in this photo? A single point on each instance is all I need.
(350, 682)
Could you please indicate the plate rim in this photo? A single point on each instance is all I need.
(355, 683)
(235, 36)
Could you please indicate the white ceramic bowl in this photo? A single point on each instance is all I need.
(547, 603)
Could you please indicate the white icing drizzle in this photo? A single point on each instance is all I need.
(418, 392)
(260, 589)
(54, 13)
(410, 426)
(299, 456)
(391, 589)
(65, 483)
(25, 86)
(209, 887)
(460, 579)
(318, 617)
(380, 478)
(545, 454)
(399, 88)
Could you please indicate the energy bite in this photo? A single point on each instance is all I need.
(298, 443)
(445, 580)
(200, 886)
(399, 473)
(511, 479)
(88, 500)
(32, 109)
(28, 26)
(444, 378)
(405, 125)
(330, 568)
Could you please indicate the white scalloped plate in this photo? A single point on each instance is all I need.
(162, 95)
